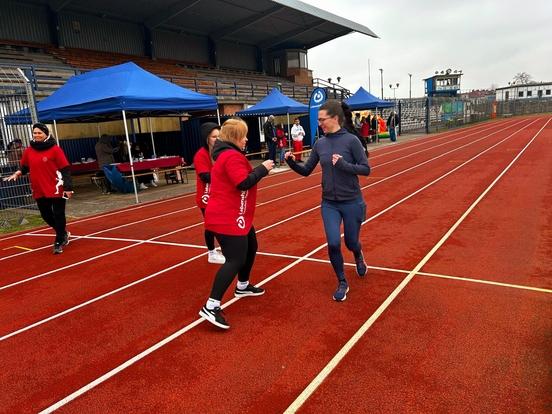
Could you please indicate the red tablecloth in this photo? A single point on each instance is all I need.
(167, 162)
(84, 167)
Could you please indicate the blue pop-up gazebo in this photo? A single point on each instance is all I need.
(362, 99)
(275, 103)
(113, 93)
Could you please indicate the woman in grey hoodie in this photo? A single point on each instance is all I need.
(342, 159)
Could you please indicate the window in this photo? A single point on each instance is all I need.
(520, 94)
(507, 95)
(292, 59)
(529, 93)
(548, 91)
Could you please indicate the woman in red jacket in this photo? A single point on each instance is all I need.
(203, 164)
(229, 215)
(50, 181)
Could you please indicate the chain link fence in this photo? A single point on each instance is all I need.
(16, 201)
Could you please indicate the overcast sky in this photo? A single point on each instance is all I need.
(489, 40)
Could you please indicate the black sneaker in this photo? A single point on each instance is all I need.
(66, 239)
(341, 293)
(361, 266)
(58, 248)
(215, 316)
(250, 290)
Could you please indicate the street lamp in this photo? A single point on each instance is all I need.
(381, 73)
(410, 86)
(394, 88)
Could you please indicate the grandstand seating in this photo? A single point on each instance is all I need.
(49, 68)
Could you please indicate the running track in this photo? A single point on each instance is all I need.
(454, 316)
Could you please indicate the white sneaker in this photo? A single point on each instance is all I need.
(153, 183)
(216, 257)
(142, 186)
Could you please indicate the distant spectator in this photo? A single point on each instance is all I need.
(104, 155)
(15, 152)
(357, 121)
(365, 129)
(142, 180)
(348, 125)
(270, 137)
(374, 128)
(281, 140)
(392, 123)
(297, 135)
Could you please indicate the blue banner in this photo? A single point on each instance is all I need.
(318, 97)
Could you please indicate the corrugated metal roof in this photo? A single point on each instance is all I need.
(268, 24)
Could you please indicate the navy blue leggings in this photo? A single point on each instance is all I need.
(352, 214)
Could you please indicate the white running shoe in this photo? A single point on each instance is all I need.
(153, 183)
(142, 186)
(216, 257)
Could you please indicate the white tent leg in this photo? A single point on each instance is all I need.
(289, 134)
(218, 116)
(130, 158)
(55, 132)
(152, 141)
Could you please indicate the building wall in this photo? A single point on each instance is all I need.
(24, 22)
(232, 55)
(90, 32)
(188, 48)
(513, 92)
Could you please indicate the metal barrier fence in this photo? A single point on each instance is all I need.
(16, 200)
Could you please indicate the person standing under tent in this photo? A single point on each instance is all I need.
(281, 140)
(374, 127)
(51, 182)
(229, 215)
(270, 138)
(297, 135)
(203, 164)
(392, 123)
(342, 159)
(104, 155)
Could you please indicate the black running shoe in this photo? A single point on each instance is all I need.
(66, 239)
(215, 316)
(250, 290)
(58, 248)
(361, 266)
(341, 293)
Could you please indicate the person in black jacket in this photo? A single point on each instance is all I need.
(270, 137)
(392, 123)
(342, 159)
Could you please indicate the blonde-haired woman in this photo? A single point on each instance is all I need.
(229, 215)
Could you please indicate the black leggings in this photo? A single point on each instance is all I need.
(209, 235)
(239, 252)
(52, 211)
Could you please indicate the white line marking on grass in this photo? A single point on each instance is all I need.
(175, 335)
(311, 388)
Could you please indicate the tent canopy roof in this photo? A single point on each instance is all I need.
(362, 99)
(106, 92)
(275, 103)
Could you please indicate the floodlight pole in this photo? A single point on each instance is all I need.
(410, 86)
(381, 74)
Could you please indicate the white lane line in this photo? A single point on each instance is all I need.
(326, 371)
(299, 214)
(180, 332)
(403, 145)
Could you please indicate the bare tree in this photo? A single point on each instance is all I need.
(522, 78)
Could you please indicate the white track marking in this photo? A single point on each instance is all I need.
(326, 371)
(404, 146)
(180, 332)
(296, 215)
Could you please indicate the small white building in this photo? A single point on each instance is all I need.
(524, 91)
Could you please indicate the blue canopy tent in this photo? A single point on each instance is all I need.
(112, 93)
(362, 99)
(275, 103)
